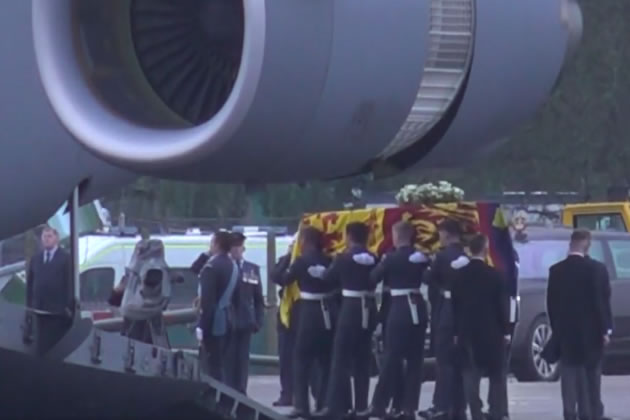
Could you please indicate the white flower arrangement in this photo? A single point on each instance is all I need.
(430, 193)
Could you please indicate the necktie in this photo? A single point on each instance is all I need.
(47, 257)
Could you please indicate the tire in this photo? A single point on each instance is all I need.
(533, 368)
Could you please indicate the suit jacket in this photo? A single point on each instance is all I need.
(576, 310)
(50, 286)
(439, 278)
(215, 278)
(250, 305)
(480, 314)
(604, 283)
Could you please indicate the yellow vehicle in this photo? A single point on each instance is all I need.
(604, 216)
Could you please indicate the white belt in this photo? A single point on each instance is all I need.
(365, 310)
(361, 294)
(413, 307)
(446, 294)
(320, 297)
(405, 292)
(314, 296)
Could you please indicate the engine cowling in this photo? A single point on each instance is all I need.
(39, 162)
(286, 90)
(259, 91)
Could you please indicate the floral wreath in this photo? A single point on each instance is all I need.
(429, 193)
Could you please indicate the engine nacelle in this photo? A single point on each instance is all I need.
(259, 91)
(291, 90)
(40, 163)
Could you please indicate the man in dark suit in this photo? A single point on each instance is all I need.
(604, 282)
(248, 317)
(50, 290)
(577, 314)
(219, 280)
(482, 326)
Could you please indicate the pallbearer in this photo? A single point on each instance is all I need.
(357, 319)
(386, 300)
(315, 323)
(406, 323)
(449, 393)
(286, 338)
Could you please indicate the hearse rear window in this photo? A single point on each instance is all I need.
(536, 256)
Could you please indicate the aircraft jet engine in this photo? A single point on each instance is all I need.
(261, 91)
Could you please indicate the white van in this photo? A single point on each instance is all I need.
(103, 259)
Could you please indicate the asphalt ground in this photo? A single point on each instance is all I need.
(528, 401)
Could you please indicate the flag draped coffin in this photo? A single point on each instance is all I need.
(486, 218)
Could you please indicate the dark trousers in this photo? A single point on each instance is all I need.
(237, 360)
(214, 351)
(312, 353)
(399, 386)
(472, 378)
(449, 393)
(503, 409)
(352, 351)
(286, 339)
(50, 329)
(433, 322)
(402, 343)
(581, 391)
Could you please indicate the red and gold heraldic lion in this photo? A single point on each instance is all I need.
(380, 220)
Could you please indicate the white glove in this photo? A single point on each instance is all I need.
(316, 271)
(199, 334)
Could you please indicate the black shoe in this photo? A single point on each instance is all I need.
(427, 414)
(297, 414)
(395, 414)
(370, 413)
(282, 403)
(441, 415)
(324, 413)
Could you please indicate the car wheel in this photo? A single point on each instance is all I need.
(535, 368)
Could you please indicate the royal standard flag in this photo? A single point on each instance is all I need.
(472, 217)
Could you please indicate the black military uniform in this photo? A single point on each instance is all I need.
(286, 339)
(386, 300)
(315, 328)
(218, 298)
(406, 328)
(248, 320)
(353, 337)
(449, 394)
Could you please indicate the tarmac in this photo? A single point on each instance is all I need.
(528, 401)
